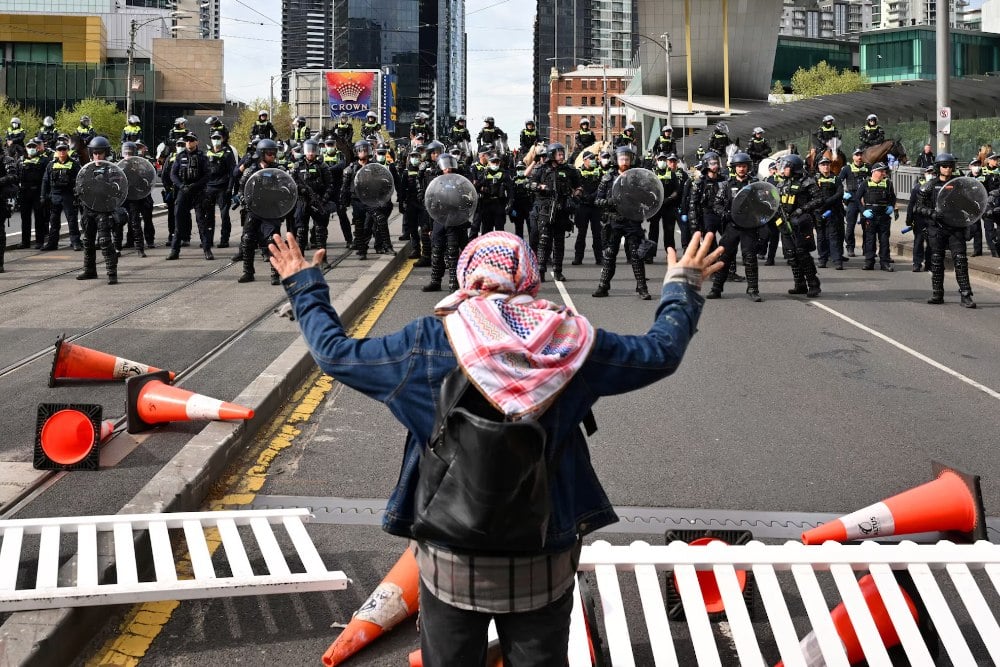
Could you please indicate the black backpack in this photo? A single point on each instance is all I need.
(484, 481)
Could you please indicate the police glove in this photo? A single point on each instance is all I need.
(868, 214)
(889, 210)
(402, 207)
(827, 214)
(847, 196)
(237, 200)
(600, 203)
(684, 218)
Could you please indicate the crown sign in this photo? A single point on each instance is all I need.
(350, 91)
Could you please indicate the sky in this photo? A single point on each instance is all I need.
(499, 68)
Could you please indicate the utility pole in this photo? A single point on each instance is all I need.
(670, 95)
(133, 29)
(943, 75)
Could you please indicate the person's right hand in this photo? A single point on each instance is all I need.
(698, 255)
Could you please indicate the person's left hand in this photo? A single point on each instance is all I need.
(287, 258)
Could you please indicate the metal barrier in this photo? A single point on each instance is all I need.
(235, 575)
(925, 563)
(904, 178)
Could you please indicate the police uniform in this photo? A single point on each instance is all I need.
(169, 195)
(7, 177)
(189, 174)
(257, 231)
(521, 201)
(870, 135)
(99, 231)
(583, 139)
(528, 139)
(664, 144)
(851, 177)
(313, 180)
(490, 135)
(587, 215)
(719, 142)
(552, 215)
(344, 131)
(446, 241)
(830, 220)
(334, 161)
(734, 236)
(799, 199)
(918, 224)
(877, 201)
(301, 132)
(58, 188)
(141, 234)
(368, 221)
(415, 220)
(615, 230)
(943, 237)
(16, 134)
(494, 193)
(758, 149)
(85, 134)
(31, 203)
(459, 134)
(218, 193)
(674, 183)
(131, 133)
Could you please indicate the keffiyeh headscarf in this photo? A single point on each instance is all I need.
(519, 351)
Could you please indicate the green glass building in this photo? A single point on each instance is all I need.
(909, 53)
(795, 52)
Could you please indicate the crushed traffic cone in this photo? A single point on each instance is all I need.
(67, 436)
(706, 579)
(76, 363)
(392, 601)
(152, 401)
(952, 503)
(883, 623)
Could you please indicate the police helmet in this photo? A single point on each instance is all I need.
(84, 120)
(740, 158)
(827, 119)
(666, 129)
(447, 161)
(32, 142)
(211, 120)
(880, 166)
(772, 165)
(944, 160)
(49, 121)
(871, 117)
(266, 145)
(493, 157)
(710, 155)
(216, 135)
(625, 150)
(99, 144)
(343, 117)
(370, 115)
(758, 130)
(363, 145)
(180, 120)
(434, 146)
(588, 155)
(190, 136)
(456, 151)
(825, 160)
(793, 162)
(262, 113)
(414, 151)
(661, 156)
(310, 146)
(62, 146)
(553, 149)
(629, 128)
(129, 149)
(584, 121)
(488, 120)
(133, 120)
(530, 121)
(460, 120)
(181, 142)
(720, 126)
(15, 121)
(300, 119)
(62, 137)
(330, 141)
(673, 157)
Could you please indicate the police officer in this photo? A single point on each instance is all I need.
(169, 193)
(830, 220)
(363, 216)
(48, 132)
(344, 130)
(421, 126)
(734, 236)
(529, 136)
(584, 137)
(411, 207)
(16, 133)
(943, 237)
(702, 215)
(258, 231)
(371, 129)
(132, 130)
(799, 199)
(446, 241)
(626, 138)
(991, 181)
(826, 131)
(177, 133)
(757, 147)
(976, 230)
(98, 228)
(665, 143)
(313, 180)
(587, 215)
(674, 180)
(84, 132)
(216, 126)
(616, 228)
(521, 199)
(335, 162)
(852, 175)
(769, 236)
(263, 128)
(918, 223)
(219, 190)
(141, 233)
(490, 134)
(719, 140)
(459, 132)
(494, 193)
(871, 134)
(8, 177)
(189, 174)
(300, 131)
(58, 188)
(30, 202)
(554, 182)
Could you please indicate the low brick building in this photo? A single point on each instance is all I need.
(590, 92)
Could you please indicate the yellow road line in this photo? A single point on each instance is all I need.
(144, 622)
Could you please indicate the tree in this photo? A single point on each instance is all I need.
(822, 79)
(778, 92)
(239, 133)
(105, 117)
(30, 120)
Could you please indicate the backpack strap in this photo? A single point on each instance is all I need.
(589, 423)
(452, 389)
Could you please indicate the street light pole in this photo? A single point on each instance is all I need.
(670, 95)
(943, 72)
(130, 70)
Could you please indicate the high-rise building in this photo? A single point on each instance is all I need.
(906, 13)
(202, 19)
(569, 33)
(422, 42)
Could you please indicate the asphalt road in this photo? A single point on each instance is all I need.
(782, 405)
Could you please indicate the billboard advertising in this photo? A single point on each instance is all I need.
(389, 118)
(354, 92)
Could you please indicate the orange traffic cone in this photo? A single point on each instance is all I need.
(77, 363)
(392, 601)
(706, 578)
(152, 401)
(952, 503)
(493, 656)
(67, 436)
(883, 623)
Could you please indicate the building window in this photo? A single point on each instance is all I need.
(566, 140)
(613, 84)
(611, 121)
(569, 101)
(583, 101)
(28, 52)
(569, 84)
(569, 122)
(592, 101)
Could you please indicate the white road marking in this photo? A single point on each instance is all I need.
(910, 351)
(565, 295)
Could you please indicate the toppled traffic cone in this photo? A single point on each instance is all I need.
(392, 601)
(67, 436)
(76, 363)
(812, 652)
(710, 593)
(493, 656)
(952, 503)
(152, 401)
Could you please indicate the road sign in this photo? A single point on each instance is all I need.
(944, 120)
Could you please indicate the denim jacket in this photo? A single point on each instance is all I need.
(404, 371)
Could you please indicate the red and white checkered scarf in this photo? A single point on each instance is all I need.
(519, 351)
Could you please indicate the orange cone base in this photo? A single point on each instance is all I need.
(67, 436)
(76, 364)
(706, 580)
(151, 400)
(951, 503)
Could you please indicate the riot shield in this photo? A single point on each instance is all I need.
(451, 200)
(373, 185)
(961, 202)
(270, 193)
(141, 175)
(101, 186)
(754, 205)
(637, 194)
